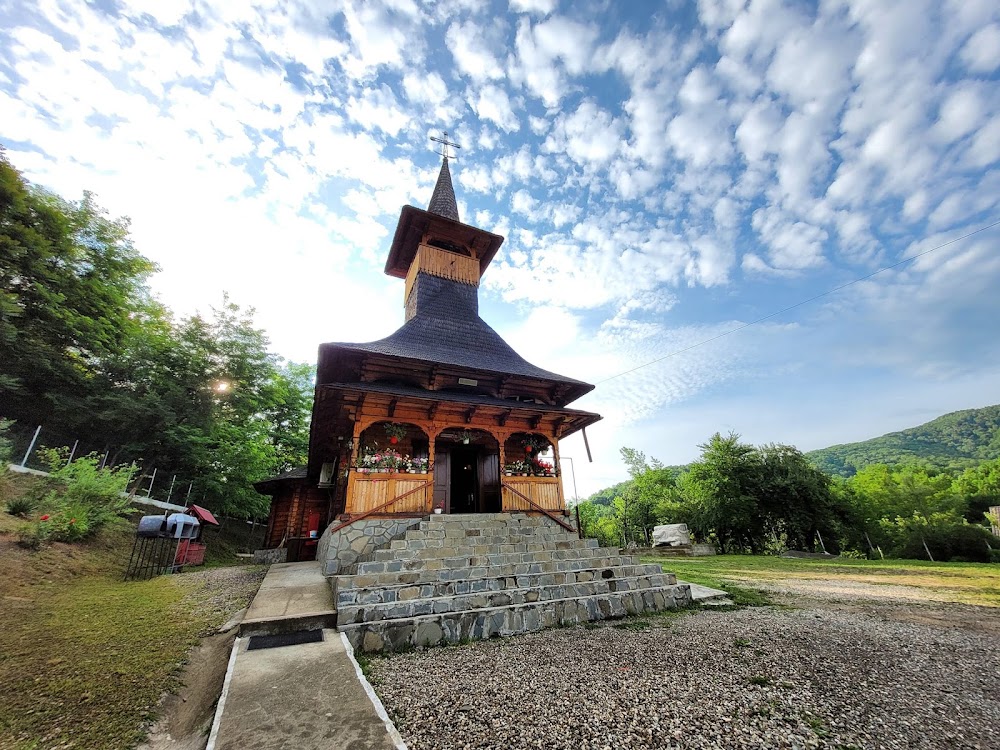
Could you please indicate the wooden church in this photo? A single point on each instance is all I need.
(442, 416)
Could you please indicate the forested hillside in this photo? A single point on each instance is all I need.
(953, 441)
(90, 356)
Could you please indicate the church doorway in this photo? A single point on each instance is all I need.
(464, 480)
(467, 472)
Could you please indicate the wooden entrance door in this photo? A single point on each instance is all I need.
(442, 480)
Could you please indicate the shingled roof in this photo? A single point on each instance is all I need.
(443, 324)
(443, 201)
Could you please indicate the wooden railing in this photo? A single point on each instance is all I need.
(383, 506)
(438, 262)
(535, 506)
(542, 491)
(366, 491)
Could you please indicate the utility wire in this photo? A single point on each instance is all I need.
(799, 304)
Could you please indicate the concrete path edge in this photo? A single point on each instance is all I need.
(220, 706)
(394, 734)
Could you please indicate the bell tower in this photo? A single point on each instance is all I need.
(441, 258)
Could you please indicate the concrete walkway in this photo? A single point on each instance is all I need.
(293, 596)
(305, 697)
(309, 696)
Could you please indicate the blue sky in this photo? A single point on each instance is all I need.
(663, 172)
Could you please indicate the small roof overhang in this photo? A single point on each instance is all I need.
(413, 225)
(271, 485)
(203, 515)
(573, 419)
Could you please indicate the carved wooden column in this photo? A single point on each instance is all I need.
(432, 434)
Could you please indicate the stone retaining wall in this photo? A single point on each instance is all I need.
(270, 556)
(339, 551)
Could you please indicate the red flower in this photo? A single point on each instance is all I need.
(45, 517)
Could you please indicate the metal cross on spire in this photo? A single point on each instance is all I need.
(445, 143)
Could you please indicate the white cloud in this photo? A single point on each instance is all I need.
(493, 104)
(470, 48)
(542, 7)
(377, 109)
(589, 136)
(540, 49)
(981, 53)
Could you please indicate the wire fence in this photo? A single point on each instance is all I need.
(149, 481)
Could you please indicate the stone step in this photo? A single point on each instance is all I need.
(405, 550)
(519, 533)
(430, 575)
(398, 563)
(348, 587)
(408, 605)
(452, 627)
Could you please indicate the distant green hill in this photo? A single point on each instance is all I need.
(956, 441)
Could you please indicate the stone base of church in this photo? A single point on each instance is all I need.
(447, 579)
(338, 551)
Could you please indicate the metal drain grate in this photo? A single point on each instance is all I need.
(285, 639)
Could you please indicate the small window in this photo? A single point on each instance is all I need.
(451, 247)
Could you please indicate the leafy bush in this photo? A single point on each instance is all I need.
(79, 498)
(947, 536)
(20, 506)
(6, 446)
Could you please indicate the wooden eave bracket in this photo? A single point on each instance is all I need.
(470, 414)
(502, 419)
(433, 410)
(535, 421)
(502, 388)
(392, 407)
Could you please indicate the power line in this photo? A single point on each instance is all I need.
(799, 304)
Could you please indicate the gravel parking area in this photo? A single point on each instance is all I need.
(753, 678)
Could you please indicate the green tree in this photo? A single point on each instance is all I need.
(70, 280)
(720, 487)
(84, 348)
(650, 498)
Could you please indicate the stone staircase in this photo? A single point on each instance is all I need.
(466, 577)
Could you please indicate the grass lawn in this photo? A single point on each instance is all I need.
(85, 657)
(969, 583)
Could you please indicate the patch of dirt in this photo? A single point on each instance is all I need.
(885, 602)
(187, 715)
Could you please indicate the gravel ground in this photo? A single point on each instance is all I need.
(219, 593)
(753, 678)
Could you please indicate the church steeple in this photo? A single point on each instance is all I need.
(435, 242)
(443, 201)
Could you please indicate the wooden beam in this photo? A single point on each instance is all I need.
(392, 407)
(586, 444)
